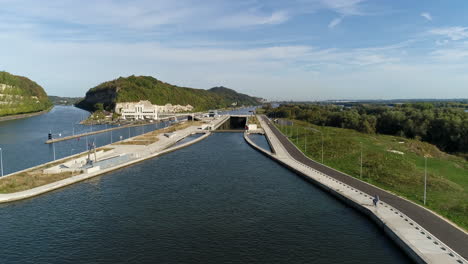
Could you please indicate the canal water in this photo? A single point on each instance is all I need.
(217, 201)
(22, 140)
(260, 141)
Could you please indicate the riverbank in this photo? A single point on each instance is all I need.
(418, 231)
(134, 153)
(20, 116)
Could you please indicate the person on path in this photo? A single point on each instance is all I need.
(376, 200)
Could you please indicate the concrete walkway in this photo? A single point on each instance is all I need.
(139, 153)
(425, 236)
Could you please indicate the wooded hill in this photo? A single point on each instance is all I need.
(20, 95)
(136, 88)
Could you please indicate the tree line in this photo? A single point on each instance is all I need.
(440, 124)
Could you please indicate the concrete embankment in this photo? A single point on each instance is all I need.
(162, 146)
(10, 197)
(415, 240)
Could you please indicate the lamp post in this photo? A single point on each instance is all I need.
(321, 134)
(305, 142)
(425, 178)
(53, 148)
(360, 172)
(1, 160)
(297, 135)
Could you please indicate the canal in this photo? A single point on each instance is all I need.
(22, 140)
(217, 201)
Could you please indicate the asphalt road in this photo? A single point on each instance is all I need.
(447, 233)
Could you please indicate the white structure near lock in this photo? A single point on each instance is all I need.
(145, 110)
(137, 111)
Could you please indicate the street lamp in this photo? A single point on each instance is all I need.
(297, 135)
(425, 178)
(53, 148)
(360, 172)
(1, 160)
(305, 142)
(321, 133)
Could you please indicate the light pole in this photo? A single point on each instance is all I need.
(360, 172)
(297, 135)
(321, 134)
(425, 178)
(1, 160)
(53, 148)
(111, 136)
(305, 142)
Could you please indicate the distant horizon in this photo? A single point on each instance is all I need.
(294, 50)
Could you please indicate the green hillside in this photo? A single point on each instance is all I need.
(392, 163)
(19, 95)
(135, 88)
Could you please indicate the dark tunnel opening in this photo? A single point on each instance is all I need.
(234, 123)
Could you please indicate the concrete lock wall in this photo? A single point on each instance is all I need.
(234, 123)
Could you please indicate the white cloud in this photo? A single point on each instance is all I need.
(427, 16)
(335, 22)
(345, 7)
(454, 54)
(453, 33)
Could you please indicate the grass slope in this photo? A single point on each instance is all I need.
(447, 183)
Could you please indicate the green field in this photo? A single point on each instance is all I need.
(400, 172)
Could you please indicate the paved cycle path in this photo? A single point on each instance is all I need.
(443, 230)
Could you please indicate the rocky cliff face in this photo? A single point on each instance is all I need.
(106, 97)
(20, 95)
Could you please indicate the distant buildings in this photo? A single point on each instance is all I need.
(145, 110)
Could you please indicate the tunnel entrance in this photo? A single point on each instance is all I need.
(233, 124)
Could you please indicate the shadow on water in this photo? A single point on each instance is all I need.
(218, 201)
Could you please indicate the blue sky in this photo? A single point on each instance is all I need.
(279, 50)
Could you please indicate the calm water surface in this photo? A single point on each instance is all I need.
(261, 141)
(218, 201)
(22, 140)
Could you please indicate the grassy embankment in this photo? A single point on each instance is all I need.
(35, 177)
(402, 174)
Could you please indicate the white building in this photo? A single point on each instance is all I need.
(169, 108)
(137, 111)
(146, 110)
